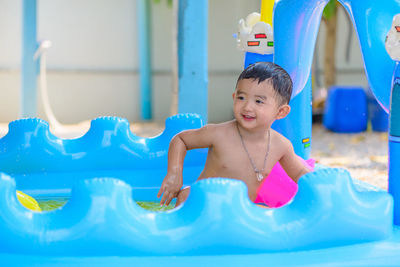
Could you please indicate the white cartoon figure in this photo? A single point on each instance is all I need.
(255, 36)
(392, 42)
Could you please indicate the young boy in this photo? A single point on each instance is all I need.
(245, 148)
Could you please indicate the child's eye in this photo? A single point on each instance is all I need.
(240, 97)
(259, 101)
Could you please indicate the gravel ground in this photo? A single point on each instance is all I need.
(364, 155)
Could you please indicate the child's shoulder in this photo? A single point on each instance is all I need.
(278, 138)
(222, 127)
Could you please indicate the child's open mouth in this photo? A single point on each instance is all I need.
(248, 118)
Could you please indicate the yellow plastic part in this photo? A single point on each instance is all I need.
(28, 201)
(267, 8)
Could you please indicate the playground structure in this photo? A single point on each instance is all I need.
(331, 220)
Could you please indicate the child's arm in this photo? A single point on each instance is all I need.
(173, 181)
(186, 140)
(292, 164)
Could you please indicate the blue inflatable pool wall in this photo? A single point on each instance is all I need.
(109, 168)
(108, 149)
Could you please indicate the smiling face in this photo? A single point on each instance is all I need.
(256, 105)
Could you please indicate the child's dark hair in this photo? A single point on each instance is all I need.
(280, 79)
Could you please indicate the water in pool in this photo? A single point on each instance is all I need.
(52, 203)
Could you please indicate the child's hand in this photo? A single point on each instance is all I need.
(170, 187)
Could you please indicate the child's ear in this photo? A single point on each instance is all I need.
(283, 111)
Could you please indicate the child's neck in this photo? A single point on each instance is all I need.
(253, 134)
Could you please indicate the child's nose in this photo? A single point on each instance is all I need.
(247, 105)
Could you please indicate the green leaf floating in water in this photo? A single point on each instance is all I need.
(155, 206)
(47, 204)
(52, 204)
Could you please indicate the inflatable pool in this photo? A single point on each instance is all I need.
(330, 220)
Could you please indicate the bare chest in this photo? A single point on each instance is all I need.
(249, 158)
(232, 161)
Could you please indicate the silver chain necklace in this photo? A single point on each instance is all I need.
(258, 172)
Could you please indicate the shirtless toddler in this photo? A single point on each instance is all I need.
(245, 148)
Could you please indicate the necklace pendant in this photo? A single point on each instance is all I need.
(259, 176)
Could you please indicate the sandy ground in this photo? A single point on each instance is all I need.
(364, 155)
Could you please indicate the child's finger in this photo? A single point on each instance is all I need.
(170, 197)
(160, 192)
(164, 198)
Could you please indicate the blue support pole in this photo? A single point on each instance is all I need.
(29, 67)
(394, 144)
(298, 124)
(251, 58)
(144, 38)
(192, 57)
